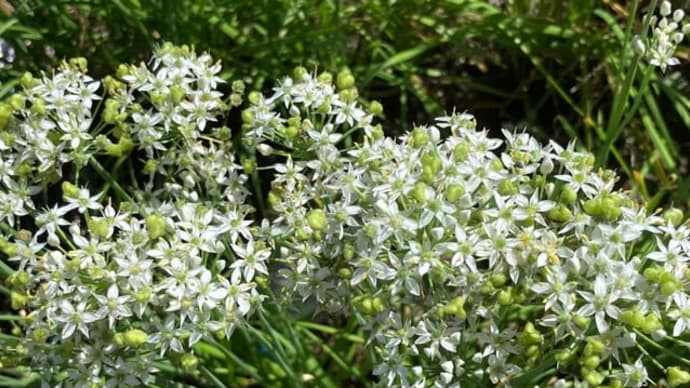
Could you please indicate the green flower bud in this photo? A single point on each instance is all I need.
(591, 362)
(317, 219)
(461, 152)
(568, 196)
(377, 132)
(80, 63)
(119, 339)
(28, 81)
(249, 165)
(668, 288)
(17, 101)
(6, 111)
(273, 198)
(122, 71)
(532, 351)
(597, 346)
(505, 297)
(592, 377)
(348, 252)
(454, 192)
(298, 73)
(375, 108)
(419, 192)
(673, 216)
(420, 137)
(40, 335)
(69, 190)
(247, 116)
(254, 97)
(345, 80)
(155, 225)
(150, 166)
(18, 279)
(530, 335)
(652, 274)
(345, 273)
(651, 323)
(189, 362)
(18, 300)
(559, 213)
(142, 295)
(581, 322)
(135, 338)
(348, 95)
(178, 93)
(564, 357)
(238, 86)
(506, 187)
(499, 280)
(325, 78)
(677, 376)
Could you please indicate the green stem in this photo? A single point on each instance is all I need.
(119, 191)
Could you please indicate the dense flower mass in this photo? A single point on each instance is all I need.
(469, 259)
(466, 260)
(108, 289)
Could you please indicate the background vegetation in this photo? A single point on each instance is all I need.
(553, 67)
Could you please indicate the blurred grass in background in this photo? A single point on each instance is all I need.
(552, 67)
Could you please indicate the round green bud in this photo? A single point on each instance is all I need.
(345, 80)
(298, 73)
(6, 111)
(505, 297)
(377, 132)
(317, 219)
(375, 108)
(591, 362)
(673, 216)
(499, 280)
(254, 97)
(325, 78)
(568, 196)
(668, 288)
(247, 116)
(506, 187)
(344, 273)
(581, 322)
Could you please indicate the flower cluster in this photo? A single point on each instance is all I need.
(467, 260)
(467, 265)
(667, 34)
(108, 290)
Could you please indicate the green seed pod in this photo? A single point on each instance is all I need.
(677, 376)
(420, 137)
(155, 225)
(135, 337)
(559, 213)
